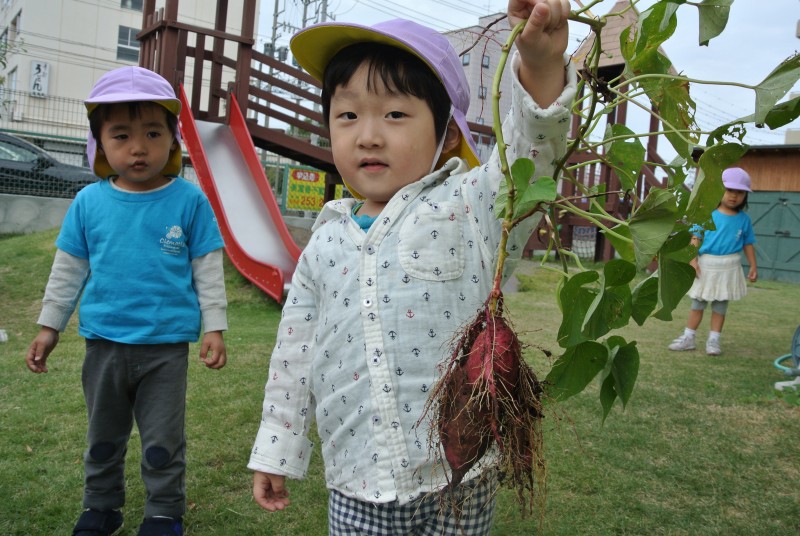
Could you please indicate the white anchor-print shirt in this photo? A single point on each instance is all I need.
(370, 316)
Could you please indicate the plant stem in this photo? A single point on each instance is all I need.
(507, 224)
(569, 207)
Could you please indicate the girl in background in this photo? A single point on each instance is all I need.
(720, 277)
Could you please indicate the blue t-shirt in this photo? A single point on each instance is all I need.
(140, 248)
(732, 233)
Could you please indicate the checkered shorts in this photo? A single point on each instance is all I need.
(430, 515)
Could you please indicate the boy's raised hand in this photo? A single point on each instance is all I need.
(270, 491)
(212, 350)
(546, 34)
(541, 46)
(40, 348)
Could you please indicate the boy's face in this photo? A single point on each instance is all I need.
(381, 141)
(137, 147)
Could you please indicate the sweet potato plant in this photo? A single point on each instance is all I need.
(489, 399)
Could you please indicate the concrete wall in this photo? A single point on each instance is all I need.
(27, 214)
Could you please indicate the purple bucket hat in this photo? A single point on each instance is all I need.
(314, 47)
(736, 179)
(131, 84)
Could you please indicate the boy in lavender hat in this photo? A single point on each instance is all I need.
(143, 249)
(389, 277)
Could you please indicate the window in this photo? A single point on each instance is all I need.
(15, 27)
(11, 80)
(16, 153)
(127, 45)
(135, 5)
(465, 59)
(482, 92)
(485, 61)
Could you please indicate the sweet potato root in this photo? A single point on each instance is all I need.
(489, 395)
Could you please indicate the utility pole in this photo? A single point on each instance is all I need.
(324, 15)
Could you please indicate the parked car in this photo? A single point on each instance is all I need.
(26, 169)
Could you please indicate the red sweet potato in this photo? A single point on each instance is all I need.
(487, 395)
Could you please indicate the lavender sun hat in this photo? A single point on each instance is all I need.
(314, 47)
(131, 84)
(736, 179)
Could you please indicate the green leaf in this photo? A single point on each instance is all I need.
(575, 301)
(589, 312)
(675, 278)
(543, 190)
(782, 114)
(501, 200)
(775, 86)
(521, 173)
(708, 188)
(611, 309)
(620, 373)
(713, 18)
(607, 395)
(652, 224)
(644, 299)
(573, 371)
(677, 246)
(623, 248)
(618, 272)
(626, 156)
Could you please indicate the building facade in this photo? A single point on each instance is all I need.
(480, 49)
(57, 49)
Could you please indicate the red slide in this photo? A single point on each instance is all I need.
(256, 238)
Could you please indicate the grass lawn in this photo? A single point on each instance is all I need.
(704, 447)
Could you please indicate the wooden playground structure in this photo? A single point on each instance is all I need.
(215, 66)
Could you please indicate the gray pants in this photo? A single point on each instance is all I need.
(146, 382)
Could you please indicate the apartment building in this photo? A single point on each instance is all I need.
(480, 49)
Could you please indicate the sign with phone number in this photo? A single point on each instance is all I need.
(305, 189)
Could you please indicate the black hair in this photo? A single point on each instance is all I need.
(102, 112)
(400, 71)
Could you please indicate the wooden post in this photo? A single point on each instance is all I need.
(220, 23)
(245, 56)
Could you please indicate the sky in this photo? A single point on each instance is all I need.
(759, 35)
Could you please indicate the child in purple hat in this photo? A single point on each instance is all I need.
(718, 264)
(144, 251)
(389, 277)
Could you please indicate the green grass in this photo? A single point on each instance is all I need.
(705, 445)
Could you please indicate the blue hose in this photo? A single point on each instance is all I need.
(789, 371)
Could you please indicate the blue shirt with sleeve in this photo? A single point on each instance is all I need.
(140, 247)
(732, 233)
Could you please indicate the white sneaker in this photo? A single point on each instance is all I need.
(713, 348)
(682, 343)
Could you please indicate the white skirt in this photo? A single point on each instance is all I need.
(721, 278)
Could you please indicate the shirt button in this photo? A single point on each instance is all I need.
(376, 420)
(367, 302)
(370, 249)
(376, 360)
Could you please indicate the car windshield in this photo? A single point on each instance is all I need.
(9, 151)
